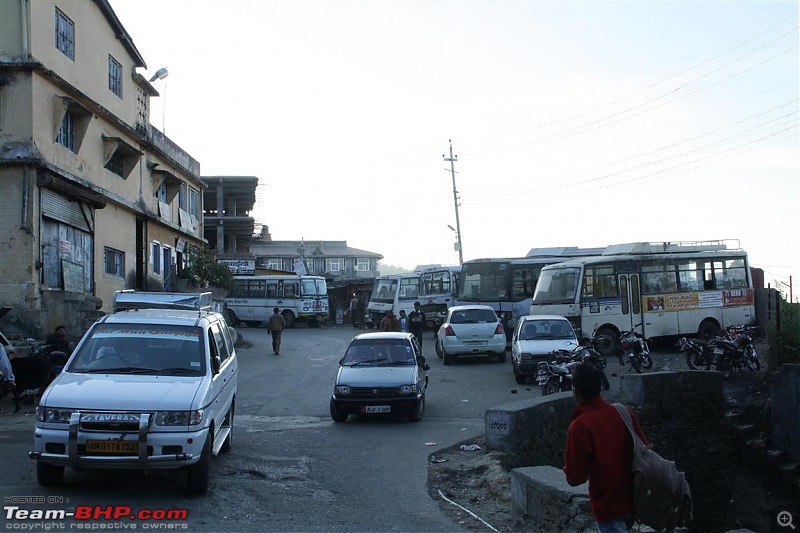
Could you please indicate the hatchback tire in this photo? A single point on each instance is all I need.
(418, 413)
(520, 378)
(337, 414)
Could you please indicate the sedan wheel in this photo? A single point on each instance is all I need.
(438, 349)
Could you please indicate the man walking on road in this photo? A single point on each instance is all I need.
(416, 322)
(275, 328)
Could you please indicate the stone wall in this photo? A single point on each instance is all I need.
(785, 394)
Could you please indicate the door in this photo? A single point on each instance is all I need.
(631, 302)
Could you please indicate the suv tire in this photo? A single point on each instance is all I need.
(48, 475)
(199, 473)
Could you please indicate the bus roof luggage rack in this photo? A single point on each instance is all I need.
(633, 248)
(564, 251)
(130, 299)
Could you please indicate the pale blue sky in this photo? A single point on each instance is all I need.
(574, 123)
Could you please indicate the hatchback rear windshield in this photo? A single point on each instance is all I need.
(141, 349)
(473, 316)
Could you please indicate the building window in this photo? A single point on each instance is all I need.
(362, 264)
(275, 264)
(161, 193)
(183, 197)
(156, 257)
(114, 262)
(194, 203)
(65, 35)
(66, 132)
(115, 164)
(114, 76)
(333, 264)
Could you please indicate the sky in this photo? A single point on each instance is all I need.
(573, 123)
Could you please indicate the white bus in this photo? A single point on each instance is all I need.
(392, 293)
(507, 285)
(656, 289)
(252, 299)
(438, 287)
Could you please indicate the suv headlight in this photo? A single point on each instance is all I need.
(53, 415)
(342, 390)
(408, 389)
(179, 418)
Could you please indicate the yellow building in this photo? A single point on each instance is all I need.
(92, 198)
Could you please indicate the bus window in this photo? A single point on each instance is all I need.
(290, 290)
(690, 276)
(600, 282)
(409, 288)
(659, 278)
(623, 289)
(636, 298)
(272, 290)
(523, 282)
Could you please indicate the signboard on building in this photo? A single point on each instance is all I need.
(240, 267)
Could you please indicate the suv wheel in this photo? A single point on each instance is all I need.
(48, 475)
(228, 423)
(198, 475)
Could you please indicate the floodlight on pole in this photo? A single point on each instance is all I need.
(160, 75)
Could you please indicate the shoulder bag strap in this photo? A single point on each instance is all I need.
(626, 418)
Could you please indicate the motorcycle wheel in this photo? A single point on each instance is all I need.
(551, 387)
(752, 359)
(694, 361)
(647, 362)
(725, 366)
(636, 364)
(606, 384)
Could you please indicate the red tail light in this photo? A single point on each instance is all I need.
(448, 331)
(499, 329)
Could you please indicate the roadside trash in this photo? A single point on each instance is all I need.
(513, 391)
(430, 444)
(470, 447)
(435, 459)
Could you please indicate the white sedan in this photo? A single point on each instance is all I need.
(535, 338)
(470, 330)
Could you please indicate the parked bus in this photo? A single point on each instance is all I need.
(252, 299)
(438, 287)
(392, 293)
(507, 285)
(655, 289)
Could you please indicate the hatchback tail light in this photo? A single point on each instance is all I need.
(448, 331)
(499, 329)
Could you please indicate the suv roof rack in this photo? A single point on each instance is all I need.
(130, 299)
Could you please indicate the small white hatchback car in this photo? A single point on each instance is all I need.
(144, 389)
(470, 330)
(535, 338)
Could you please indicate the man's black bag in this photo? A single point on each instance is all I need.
(661, 495)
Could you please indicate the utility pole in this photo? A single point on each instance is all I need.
(452, 160)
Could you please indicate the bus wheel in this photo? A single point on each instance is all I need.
(606, 342)
(708, 329)
(288, 317)
(232, 318)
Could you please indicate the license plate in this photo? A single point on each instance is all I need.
(124, 447)
(541, 380)
(377, 409)
(474, 343)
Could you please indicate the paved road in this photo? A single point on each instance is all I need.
(292, 468)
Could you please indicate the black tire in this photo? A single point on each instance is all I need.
(725, 367)
(607, 343)
(636, 364)
(228, 422)
(337, 414)
(751, 360)
(693, 361)
(49, 475)
(647, 363)
(708, 330)
(289, 318)
(447, 358)
(199, 473)
(520, 378)
(551, 387)
(605, 383)
(438, 348)
(417, 415)
(501, 357)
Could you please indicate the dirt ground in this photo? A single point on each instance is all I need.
(475, 491)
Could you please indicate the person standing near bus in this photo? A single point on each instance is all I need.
(275, 328)
(416, 322)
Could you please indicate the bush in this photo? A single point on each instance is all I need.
(203, 270)
(783, 333)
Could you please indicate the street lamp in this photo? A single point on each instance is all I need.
(457, 245)
(160, 75)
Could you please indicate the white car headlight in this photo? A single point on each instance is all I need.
(342, 390)
(408, 389)
(53, 415)
(526, 356)
(179, 418)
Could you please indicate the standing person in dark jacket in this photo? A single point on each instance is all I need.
(416, 322)
(600, 448)
(275, 328)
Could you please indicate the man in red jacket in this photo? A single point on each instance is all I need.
(599, 448)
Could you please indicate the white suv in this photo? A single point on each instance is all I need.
(150, 388)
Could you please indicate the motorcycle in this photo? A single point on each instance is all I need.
(634, 350)
(556, 376)
(699, 354)
(735, 350)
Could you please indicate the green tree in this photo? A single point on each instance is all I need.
(203, 270)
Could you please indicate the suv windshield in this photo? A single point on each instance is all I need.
(379, 352)
(141, 349)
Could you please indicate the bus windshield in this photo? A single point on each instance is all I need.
(557, 285)
(384, 290)
(484, 282)
(313, 287)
